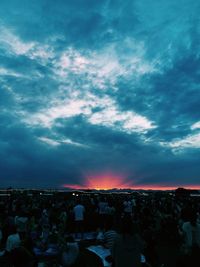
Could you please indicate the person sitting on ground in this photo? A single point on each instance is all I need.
(13, 240)
(109, 235)
(190, 249)
(70, 252)
(21, 222)
(191, 232)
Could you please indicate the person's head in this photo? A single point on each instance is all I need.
(127, 226)
(108, 224)
(69, 239)
(13, 230)
(78, 201)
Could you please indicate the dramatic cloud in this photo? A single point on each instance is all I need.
(94, 91)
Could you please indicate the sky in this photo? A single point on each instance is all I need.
(99, 94)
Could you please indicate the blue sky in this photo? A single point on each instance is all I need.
(90, 88)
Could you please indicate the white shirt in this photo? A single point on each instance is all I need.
(79, 212)
(192, 234)
(102, 207)
(13, 241)
(127, 206)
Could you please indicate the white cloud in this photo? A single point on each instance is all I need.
(191, 141)
(102, 69)
(195, 126)
(14, 45)
(7, 72)
(121, 120)
(58, 142)
(108, 114)
(13, 42)
(82, 71)
(49, 141)
(70, 142)
(60, 110)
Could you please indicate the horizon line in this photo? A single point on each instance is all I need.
(72, 187)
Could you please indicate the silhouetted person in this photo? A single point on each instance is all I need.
(128, 246)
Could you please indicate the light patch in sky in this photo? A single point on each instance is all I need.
(109, 114)
(57, 142)
(124, 121)
(14, 45)
(103, 69)
(13, 42)
(49, 141)
(70, 142)
(60, 110)
(191, 141)
(195, 126)
(7, 72)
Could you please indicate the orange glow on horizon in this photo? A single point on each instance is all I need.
(142, 187)
(109, 180)
(164, 187)
(103, 181)
(74, 186)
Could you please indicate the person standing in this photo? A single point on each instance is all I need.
(79, 215)
(128, 246)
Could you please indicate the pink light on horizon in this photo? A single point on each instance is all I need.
(166, 187)
(74, 186)
(105, 180)
(110, 180)
(142, 187)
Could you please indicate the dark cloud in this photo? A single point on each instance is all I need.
(96, 87)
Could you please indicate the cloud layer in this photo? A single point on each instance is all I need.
(96, 87)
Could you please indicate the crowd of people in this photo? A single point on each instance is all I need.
(135, 230)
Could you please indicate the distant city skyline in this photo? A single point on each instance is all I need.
(99, 93)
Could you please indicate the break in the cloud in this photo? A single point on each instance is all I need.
(99, 87)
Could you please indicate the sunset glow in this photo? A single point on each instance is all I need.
(110, 180)
(102, 181)
(107, 181)
(142, 187)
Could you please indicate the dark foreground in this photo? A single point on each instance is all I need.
(94, 229)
